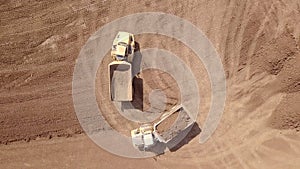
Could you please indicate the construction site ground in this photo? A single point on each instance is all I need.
(257, 41)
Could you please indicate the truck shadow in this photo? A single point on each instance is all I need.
(158, 149)
(138, 97)
(136, 60)
(188, 134)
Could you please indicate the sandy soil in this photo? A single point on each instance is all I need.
(166, 124)
(59, 153)
(258, 42)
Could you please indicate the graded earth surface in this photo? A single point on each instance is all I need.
(257, 42)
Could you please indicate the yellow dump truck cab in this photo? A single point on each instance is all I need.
(123, 45)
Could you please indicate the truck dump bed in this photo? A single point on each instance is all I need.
(172, 123)
(120, 81)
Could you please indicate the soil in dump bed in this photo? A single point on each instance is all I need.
(174, 124)
(167, 123)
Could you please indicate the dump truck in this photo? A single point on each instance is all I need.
(170, 125)
(120, 69)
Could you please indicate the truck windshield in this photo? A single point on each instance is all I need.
(119, 57)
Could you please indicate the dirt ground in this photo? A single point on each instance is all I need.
(258, 42)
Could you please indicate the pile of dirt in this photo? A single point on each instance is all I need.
(287, 114)
(280, 58)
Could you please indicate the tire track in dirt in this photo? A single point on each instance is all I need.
(243, 19)
(46, 106)
(250, 118)
(226, 40)
(253, 44)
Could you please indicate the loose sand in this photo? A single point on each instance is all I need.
(258, 43)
